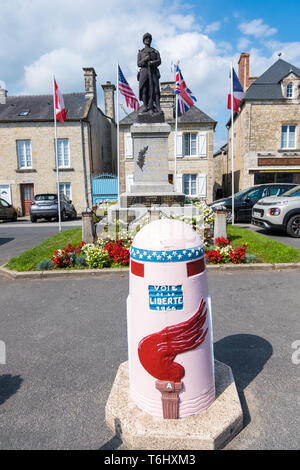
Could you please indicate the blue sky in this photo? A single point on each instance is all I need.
(39, 38)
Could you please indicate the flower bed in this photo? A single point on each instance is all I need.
(103, 254)
(222, 252)
(113, 249)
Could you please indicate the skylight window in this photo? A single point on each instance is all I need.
(24, 113)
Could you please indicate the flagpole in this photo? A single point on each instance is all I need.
(176, 129)
(56, 157)
(118, 134)
(232, 145)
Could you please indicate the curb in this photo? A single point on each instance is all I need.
(122, 271)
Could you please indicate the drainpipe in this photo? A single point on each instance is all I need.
(84, 166)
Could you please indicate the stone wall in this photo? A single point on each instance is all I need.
(43, 174)
(258, 130)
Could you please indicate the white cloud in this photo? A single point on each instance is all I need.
(182, 22)
(42, 38)
(212, 27)
(243, 44)
(257, 28)
(290, 52)
(64, 63)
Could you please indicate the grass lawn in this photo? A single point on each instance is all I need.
(266, 250)
(28, 260)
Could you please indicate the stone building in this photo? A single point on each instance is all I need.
(266, 131)
(195, 166)
(86, 140)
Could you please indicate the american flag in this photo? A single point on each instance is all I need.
(186, 98)
(126, 91)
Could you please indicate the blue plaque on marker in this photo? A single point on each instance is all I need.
(165, 297)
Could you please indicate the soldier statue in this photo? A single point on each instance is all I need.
(148, 77)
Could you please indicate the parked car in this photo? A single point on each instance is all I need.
(279, 213)
(245, 200)
(7, 211)
(45, 206)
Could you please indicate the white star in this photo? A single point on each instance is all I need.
(189, 255)
(179, 256)
(170, 257)
(164, 253)
(174, 253)
(149, 256)
(158, 257)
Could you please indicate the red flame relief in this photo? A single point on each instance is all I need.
(158, 350)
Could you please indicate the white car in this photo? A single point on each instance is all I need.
(279, 212)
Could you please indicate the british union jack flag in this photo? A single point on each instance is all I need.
(186, 98)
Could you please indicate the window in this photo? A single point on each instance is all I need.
(128, 145)
(45, 197)
(289, 90)
(190, 144)
(190, 185)
(63, 153)
(24, 113)
(288, 137)
(24, 153)
(4, 203)
(253, 194)
(65, 188)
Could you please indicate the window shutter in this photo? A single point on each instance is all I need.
(179, 188)
(202, 144)
(128, 145)
(129, 182)
(179, 144)
(202, 185)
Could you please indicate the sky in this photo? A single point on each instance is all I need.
(39, 38)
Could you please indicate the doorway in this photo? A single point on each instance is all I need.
(27, 196)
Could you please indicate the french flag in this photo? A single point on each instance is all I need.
(238, 93)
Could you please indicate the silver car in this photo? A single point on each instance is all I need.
(45, 206)
(279, 212)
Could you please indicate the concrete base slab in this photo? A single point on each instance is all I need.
(210, 430)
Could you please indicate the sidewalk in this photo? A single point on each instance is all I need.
(71, 338)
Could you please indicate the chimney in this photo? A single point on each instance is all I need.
(3, 95)
(109, 99)
(244, 70)
(90, 82)
(167, 99)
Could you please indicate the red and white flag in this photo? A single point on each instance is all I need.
(60, 110)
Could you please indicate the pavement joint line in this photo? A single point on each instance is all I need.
(102, 272)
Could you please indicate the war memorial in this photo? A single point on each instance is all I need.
(171, 393)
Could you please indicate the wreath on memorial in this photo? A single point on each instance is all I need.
(141, 157)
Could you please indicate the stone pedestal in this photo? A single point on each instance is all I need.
(87, 227)
(151, 187)
(150, 153)
(212, 429)
(220, 225)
